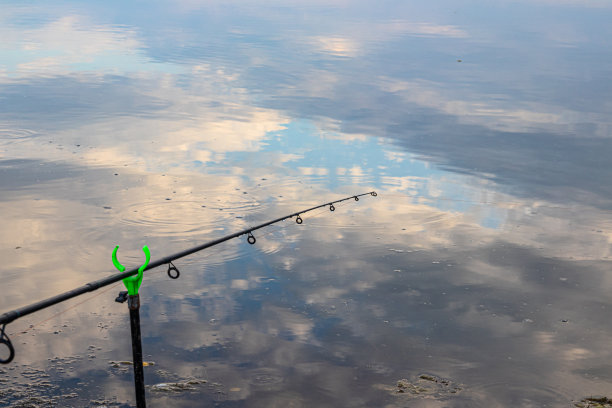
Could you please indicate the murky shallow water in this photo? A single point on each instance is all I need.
(479, 276)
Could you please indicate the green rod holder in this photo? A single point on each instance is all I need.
(132, 283)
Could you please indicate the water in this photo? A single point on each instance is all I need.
(479, 276)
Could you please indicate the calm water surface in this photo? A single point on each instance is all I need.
(479, 276)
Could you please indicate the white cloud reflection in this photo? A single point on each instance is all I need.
(379, 248)
(70, 43)
(490, 110)
(352, 40)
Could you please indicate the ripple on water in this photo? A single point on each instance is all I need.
(278, 184)
(16, 134)
(191, 222)
(267, 378)
(187, 218)
(185, 223)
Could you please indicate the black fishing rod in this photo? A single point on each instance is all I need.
(173, 272)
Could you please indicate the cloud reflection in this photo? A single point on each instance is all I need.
(494, 272)
(67, 44)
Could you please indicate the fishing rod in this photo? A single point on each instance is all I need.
(133, 282)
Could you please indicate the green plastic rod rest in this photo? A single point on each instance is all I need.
(132, 283)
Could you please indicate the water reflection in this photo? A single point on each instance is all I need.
(482, 264)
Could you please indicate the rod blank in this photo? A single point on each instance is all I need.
(92, 286)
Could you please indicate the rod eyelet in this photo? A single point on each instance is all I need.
(332, 208)
(373, 194)
(251, 239)
(173, 272)
(356, 198)
(299, 220)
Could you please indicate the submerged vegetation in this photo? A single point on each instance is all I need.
(595, 402)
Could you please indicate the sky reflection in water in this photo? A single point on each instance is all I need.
(484, 260)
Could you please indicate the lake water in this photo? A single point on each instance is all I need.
(480, 276)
